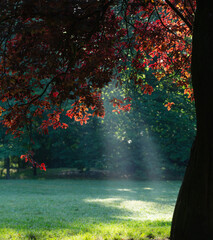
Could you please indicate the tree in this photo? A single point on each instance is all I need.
(67, 70)
(10, 151)
(47, 60)
(149, 126)
(193, 217)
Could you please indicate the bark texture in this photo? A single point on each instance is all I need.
(193, 216)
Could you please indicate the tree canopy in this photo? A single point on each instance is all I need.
(64, 52)
(57, 56)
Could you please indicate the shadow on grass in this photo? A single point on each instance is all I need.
(86, 207)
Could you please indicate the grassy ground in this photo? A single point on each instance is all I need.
(86, 209)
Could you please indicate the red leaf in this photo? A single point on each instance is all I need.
(169, 105)
(43, 166)
(64, 125)
(55, 94)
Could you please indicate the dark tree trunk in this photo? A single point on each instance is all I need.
(34, 171)
(193, 216)
(19, 164)
(30, 131)
(7, 163)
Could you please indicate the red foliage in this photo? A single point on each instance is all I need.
(29, 157)
(57, 52)
(120, 104)
(55, 94)
(169, 105)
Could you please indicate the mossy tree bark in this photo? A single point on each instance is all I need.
(193, 216)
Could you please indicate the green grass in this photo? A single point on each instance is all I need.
(86, 209)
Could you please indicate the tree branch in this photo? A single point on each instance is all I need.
(189, 25)
(169, 30)
(191, 5)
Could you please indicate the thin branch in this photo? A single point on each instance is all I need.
(37, 97)
(179, 14)
(191, 5)
(189, 14)
(168, 27)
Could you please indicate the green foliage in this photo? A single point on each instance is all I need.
(155, 141)
(147, 142)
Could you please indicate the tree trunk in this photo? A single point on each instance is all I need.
(19, 164)
(193, 216)
(34, 170)
(8, 168)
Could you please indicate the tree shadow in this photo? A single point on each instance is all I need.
(84, 205)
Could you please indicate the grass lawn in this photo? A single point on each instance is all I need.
(86, 209)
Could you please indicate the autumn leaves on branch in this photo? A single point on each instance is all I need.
(67, 51)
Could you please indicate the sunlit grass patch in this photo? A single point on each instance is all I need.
(99, 210)
(110, 231)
